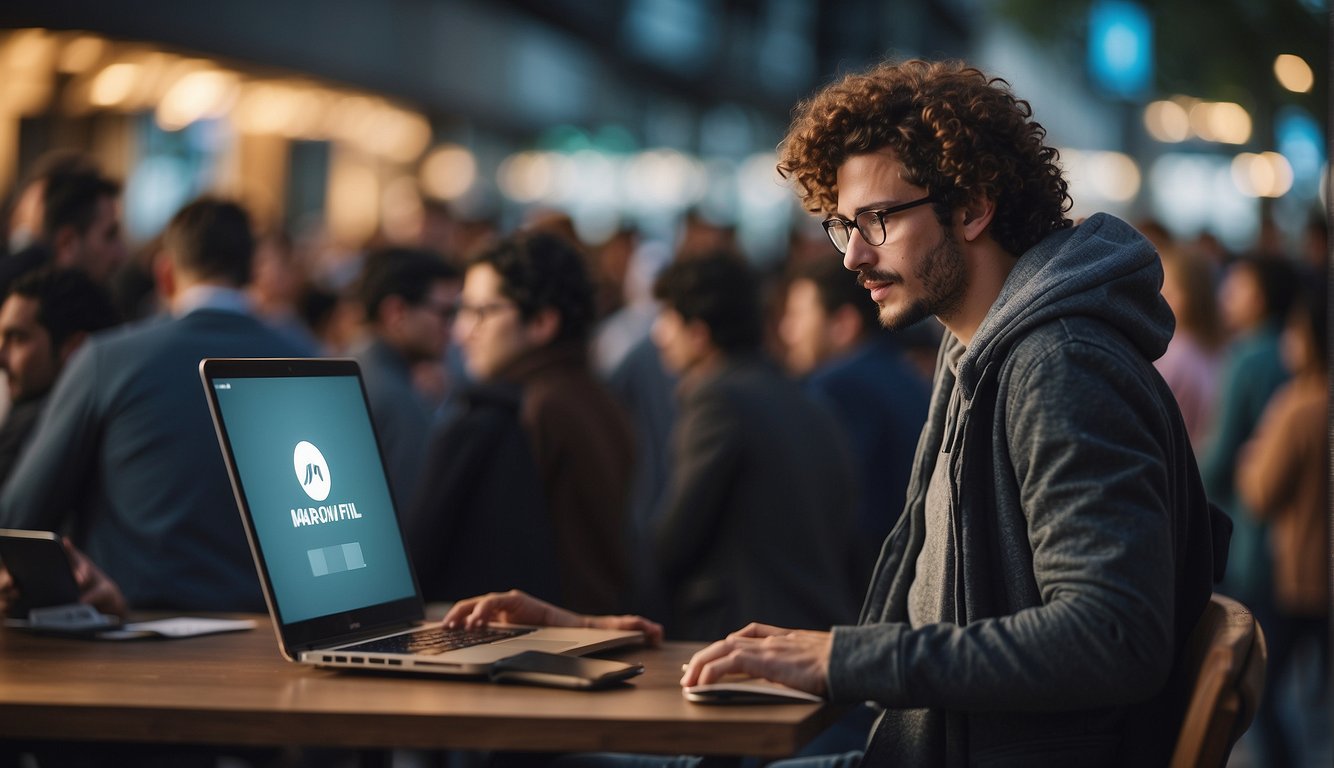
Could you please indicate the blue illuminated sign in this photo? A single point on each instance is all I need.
(1302, 142)
(1120, 48)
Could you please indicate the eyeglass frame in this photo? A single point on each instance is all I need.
(446, 312)
(476, 314)
(877, 214)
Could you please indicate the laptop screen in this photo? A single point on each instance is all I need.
(319, 506)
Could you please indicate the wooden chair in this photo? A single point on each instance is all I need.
(1226, 655)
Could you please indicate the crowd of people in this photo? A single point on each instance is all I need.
(664, 429)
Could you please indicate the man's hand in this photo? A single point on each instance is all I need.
(796, 658)
(8, 592)
(515, 607)
(95, 588)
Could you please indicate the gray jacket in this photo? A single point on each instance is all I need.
(1082, 541)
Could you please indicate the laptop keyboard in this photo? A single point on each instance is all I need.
(436, 640)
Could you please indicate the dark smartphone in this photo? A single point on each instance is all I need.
(40, 568)
(552, 669)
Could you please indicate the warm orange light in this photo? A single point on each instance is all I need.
(448, 172)
(1294, 73)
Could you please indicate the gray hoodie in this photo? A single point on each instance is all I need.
(1082, 546)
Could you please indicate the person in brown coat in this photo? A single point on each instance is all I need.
(1282, 476)
(523, 322)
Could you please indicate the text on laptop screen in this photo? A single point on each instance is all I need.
(320, 508)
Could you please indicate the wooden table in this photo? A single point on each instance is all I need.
(236, 689)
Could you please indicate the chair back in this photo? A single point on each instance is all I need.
(1225, 656)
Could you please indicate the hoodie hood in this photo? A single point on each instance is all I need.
(1103, 269)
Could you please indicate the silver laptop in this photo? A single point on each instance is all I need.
(305, 466)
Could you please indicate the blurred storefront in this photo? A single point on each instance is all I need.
(352, 119)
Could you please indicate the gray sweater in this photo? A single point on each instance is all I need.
(1082, 542)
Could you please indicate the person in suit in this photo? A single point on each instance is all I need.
(757, 523)
(125, 459)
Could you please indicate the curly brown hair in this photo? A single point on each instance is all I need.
(957, 132)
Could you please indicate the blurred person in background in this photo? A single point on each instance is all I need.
(1283, 477)
(833, 339)
(277, 287)
(537, 463)
(409, 297)
(133, 289)
(1255, 298)
(48, 314)
(80, 228)
(125, 460)
(757, 522)
(1192, 364)
(626, 359)
(29, 209)
(612, 261)
(21, 250)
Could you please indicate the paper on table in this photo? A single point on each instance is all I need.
(177, 627)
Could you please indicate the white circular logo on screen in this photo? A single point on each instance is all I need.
(312, 471)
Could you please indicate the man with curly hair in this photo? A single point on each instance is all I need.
(1057, 546)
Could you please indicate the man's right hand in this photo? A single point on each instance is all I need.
(95, 587)
(516, 607)
(797, 658)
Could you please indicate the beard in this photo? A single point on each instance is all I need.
(944, 281)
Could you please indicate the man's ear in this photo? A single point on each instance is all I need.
(164, 275)
(70, 345)
(698, 330)
(543, 327)
(392, 308)
(64, 246)
(975, 216)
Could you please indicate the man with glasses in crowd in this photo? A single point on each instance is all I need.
(528, 486)
(1031, 606)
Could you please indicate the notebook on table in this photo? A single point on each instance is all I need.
(301, 451)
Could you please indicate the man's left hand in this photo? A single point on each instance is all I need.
(796, 658)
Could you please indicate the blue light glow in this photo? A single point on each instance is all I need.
(1301, 141)
(1120, 48)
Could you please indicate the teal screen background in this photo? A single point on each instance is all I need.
(265, 418)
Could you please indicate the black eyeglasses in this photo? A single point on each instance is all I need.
(870, 223)
(471, 314)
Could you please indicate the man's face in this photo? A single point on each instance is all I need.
(29, 361)
(488, 327)
(25, 222)
(100, 250)
(424, 328)
(804, 328)
(1241, 300)
(919, 270)
(678, 342)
